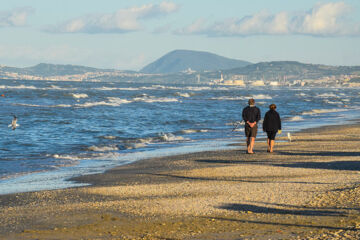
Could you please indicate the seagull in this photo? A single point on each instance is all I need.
(289, 136)
(14, 124)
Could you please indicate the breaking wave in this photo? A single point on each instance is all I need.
(295, 119)
(189, 131)
(321, 111)
(79, 95)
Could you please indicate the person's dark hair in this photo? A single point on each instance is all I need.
(251, 101)
(272, 106)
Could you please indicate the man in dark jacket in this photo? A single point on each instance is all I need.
(271, 125)
(251, 116)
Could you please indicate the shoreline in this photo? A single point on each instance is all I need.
(307, 188)
(62, 177)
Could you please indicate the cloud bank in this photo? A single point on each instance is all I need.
(15, 18)
(325, 20)
(122, 21)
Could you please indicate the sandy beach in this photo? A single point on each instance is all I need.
(308, 189)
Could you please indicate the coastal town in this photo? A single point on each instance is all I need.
(344, 80)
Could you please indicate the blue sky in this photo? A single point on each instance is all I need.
(130, 34)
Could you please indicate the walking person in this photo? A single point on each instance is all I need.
(271, 125)
(251, 116)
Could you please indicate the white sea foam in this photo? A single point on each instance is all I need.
(50, 106)
(321, 111)
(227, 98)
(334, 103)
(295, 119)
(185, 95)
(327, 95)
(112, 101)
(106, 89)
(79, 95)
(198, 88)
(169, 137)
(235, 123)
(74, 158)
(103, 148)
(54, 87)
(189, 131)
(17, 87)
(152, 99)
(115, 88)
(61, 105)
(109, 137)
(261, 96)
(135, 145)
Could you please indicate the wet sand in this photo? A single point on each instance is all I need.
(308, 189)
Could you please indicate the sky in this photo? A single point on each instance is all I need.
(128, 35)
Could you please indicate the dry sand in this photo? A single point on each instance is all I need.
(308, 189)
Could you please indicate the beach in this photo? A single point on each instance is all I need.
(307, 189)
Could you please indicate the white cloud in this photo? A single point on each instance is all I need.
(198, 26)
(15, 18)
(327, 19)
(123, 20)
(29, 55)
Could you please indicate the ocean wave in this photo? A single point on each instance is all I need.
(261, 96)
(116, 88)
(135, 145)
(112, 101)
(109, 137)
(161, 87)
(54, 87)
(321, 111)
(152, 99)
(68, 157)
(185, 95)
(228, 98)
(18, 87)
(327, 95)
(79, 95)
(36, 105)
(198, 88)
(295, 119)
(103, 148)
(189, 131)
(334, 103)
(169, 137)
(93, 155)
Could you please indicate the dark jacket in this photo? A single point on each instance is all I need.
(251, 114)
(272, 122)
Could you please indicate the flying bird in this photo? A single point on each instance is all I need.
(14, 124)
(289, 136)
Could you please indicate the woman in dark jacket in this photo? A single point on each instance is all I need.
(271, 125)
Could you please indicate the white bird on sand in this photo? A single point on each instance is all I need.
(14, 124)
(289, 136)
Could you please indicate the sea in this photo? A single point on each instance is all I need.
(66, 129)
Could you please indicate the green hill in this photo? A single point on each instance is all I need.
(269, 70)
(181, 60)
(44, 69)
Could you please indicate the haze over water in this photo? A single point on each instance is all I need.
(73, 128)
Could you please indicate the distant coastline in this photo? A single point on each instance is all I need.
(198, 68)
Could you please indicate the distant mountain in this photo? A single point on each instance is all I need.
(270, 70)
(58, 70)
(181, 60)
(44, 69)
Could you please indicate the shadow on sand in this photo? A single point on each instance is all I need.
(271, 210)
(321, 154)
(336, 165)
